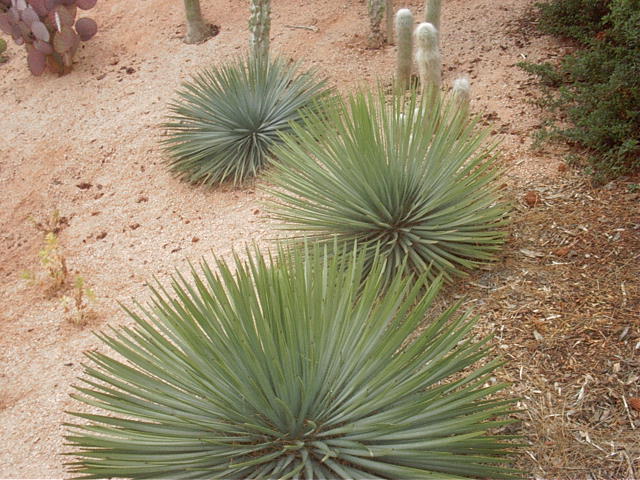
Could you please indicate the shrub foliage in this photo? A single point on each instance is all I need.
(226, 120)
(292, 369)
(410, 178)
(599, 84)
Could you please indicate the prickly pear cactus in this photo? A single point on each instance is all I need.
(260, 28)
(428, 57)
(404, 59)
(49, 30)
(376, 15)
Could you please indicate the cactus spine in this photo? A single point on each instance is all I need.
(432, 13)
(404, 60)
(462, 95)
(388, 8)
(428, 57)
(260, 28)
(376, 13)
(197, 30)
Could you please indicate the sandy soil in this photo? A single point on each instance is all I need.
(86, 144)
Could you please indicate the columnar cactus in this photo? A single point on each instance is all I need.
(260, 28)
(49, 31)
(197, 30)
(462, 94)
(428, 57)
(376, 14)
(388, 9)
(404, 60)
(432, 13)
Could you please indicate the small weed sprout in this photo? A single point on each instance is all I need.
(54, 266)
(52, 259)
(53, 224)
(78, 304)
(53, 276)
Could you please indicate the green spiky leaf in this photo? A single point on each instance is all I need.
(295, 368)
(225, 122)
(408, 176)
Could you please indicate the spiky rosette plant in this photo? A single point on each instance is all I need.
(49, 30)
(295, 368)
(411, 177)
(226, 120)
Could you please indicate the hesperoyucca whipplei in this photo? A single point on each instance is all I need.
(226, 120)
(409, 175)
(292, 368)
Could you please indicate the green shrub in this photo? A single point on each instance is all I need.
(412, 179)
(599, 85)
(289, 369)
(577, 19)
(226, 120)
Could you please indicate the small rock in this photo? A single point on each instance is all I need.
(130, 70)
(256, 211)
(142, 198)
(562, 167)
(101, 76)
(561, 252)
(101, 235)
(634, 403)
(195, 240)
(531, 198)
(134, 226)
(84, 185)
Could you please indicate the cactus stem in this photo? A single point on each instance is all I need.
(462, 95)
(260, 28)
(404, 40)
(197, 30)
(376, 12)
(428, 57)
(388, 8)
(432, 13)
